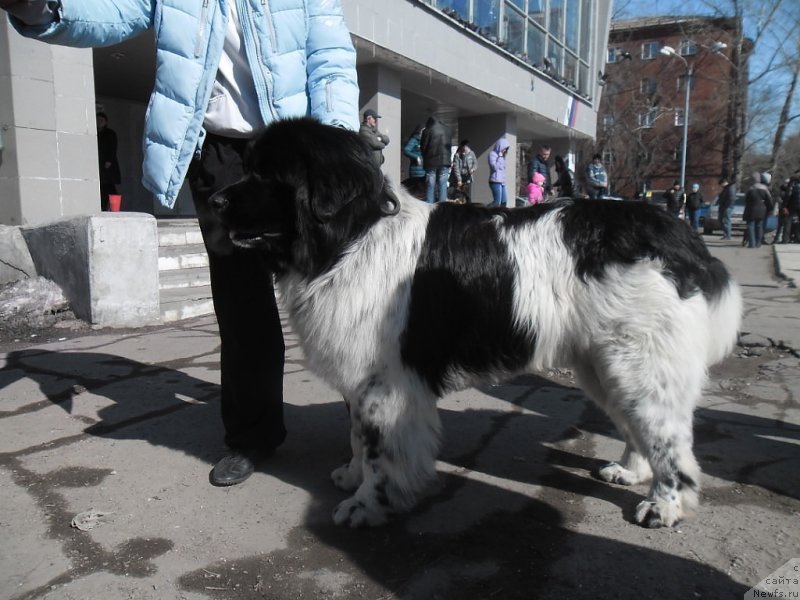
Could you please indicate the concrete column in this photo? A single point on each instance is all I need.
(48, 165)
(482, 133)
(380, 90)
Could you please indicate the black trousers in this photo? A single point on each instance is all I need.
(252, 346)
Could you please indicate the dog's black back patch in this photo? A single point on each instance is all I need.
(602, 232)
(461, 310)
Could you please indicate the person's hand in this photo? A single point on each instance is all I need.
(30, 12)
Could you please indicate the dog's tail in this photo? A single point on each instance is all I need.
(724, 315)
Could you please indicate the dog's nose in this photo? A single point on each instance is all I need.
(218, 202)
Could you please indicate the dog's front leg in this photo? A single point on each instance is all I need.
(349, 476)
(397, 436)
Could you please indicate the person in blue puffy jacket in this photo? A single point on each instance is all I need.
(222, 73)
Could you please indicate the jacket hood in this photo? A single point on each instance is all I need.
(501, 145)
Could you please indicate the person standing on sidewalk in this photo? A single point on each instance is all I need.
(596, 178)
(376, 140)
(727, 198)
(693, 203)
(221, 76)
(497, 172)
(436, 158)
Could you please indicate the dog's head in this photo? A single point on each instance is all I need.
(309, 189)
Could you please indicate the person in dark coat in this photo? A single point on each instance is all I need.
(757, 205)
(564, 186)
(727, 198)
(436, 158)
(107, 158)
(674, 198)
(693, 203)
(374, 138)
(539, 164)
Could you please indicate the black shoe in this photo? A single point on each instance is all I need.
(232, 469)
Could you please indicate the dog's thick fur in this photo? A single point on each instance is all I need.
(397, 302)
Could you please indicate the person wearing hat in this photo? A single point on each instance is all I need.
(374, 138)
(674, 198)
(726, 199)
(693, 203)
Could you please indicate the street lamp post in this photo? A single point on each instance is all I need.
(715, 48)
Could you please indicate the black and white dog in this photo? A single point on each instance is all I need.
(397, 302)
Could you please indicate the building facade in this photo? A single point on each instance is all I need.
(523, 69)
(643, 110)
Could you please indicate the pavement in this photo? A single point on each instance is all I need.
(108, 439)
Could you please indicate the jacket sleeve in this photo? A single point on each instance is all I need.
(92, 23)
(331, 65)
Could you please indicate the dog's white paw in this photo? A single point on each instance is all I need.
(658, 513)
(616, 473)
(345, 478)
(355, 513)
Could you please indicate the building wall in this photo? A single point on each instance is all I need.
(48, 164)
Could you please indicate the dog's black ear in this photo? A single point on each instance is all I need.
(390, 204)
(325, 204)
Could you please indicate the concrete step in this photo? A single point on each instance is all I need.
(189, 256)
(184, 303)
(183, 278)
(179, 232)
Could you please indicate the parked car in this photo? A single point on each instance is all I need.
(712, 222)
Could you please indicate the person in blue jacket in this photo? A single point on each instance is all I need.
(224, 69)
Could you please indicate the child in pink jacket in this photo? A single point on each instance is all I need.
(536, 189)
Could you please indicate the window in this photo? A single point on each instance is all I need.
(557, 18)
(536, 11)
(612, 55)
(687, 48)
(608, 121)
(650, 50)
(461, 7)
(647, 120)
(608, 157)
(535, 45)
(648, 86)
(514, 34)
(678, 117)
(571, 26)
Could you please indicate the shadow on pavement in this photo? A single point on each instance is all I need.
(477, 537)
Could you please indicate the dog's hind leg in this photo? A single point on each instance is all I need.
(632, 468)
(398, 428)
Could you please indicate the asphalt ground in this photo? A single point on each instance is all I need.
(120, 428)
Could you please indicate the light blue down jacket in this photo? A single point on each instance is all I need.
(300, 53)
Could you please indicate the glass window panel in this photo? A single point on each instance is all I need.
(571, 25)
(518, 3)
(514, 34)
(687, 48)
(586, 28)
(459, 6)
(556, 18)
(583, 82)
(536, 11)
(554, 54)
(487, 15)
(650, 50)
(535, 45)
(570, 68)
